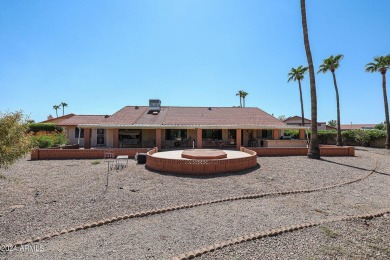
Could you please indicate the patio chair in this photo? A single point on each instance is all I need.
(109, 157)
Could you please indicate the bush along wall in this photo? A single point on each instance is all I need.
(46, 127)
(293, 133)
(369, 138)
(47, 135)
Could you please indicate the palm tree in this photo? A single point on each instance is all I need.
(314, 148)
(381, 64)
(244, 94)
(240, 93)
(63, 105)
(298, 74)
(56, 107)
(332, 63)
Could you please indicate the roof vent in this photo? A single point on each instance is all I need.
(154, 106)
(136, 107)
(106, 116)
(209, 108)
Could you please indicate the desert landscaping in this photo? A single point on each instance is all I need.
(149, 215)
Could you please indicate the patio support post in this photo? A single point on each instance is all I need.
(302, 134)
(238, 138)
(158, 138)
(199, 141)
(276, 134)
(115, 138)
(87, 138)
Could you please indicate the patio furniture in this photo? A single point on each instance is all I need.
(118, 162)
(109, 158)
(141, 158)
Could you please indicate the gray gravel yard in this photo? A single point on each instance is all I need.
(40, 197)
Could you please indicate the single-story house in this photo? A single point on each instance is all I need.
(171, 126)
(357, 126)
(297, 121)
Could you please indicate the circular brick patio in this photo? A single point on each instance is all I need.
(201, 161)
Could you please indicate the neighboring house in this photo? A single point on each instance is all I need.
(297, 121)
(358, 126)
(170, 126)
(56, 120)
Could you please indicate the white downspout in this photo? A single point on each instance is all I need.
(78, 139)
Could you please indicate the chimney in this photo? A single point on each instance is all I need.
(50, 117)
(154, 106)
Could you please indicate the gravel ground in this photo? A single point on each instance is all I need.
(39, 197)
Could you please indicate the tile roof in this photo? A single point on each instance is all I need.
(219, 116)
(189, 116)
(82, 119)
(357, 126)
(126, 116)
(56, 120)
(293, 119)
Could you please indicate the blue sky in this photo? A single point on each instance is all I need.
(98, 56)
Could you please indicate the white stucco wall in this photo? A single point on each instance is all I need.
(71, 136)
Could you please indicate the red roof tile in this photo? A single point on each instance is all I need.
(191, 116)
(82, 119)
(219, 116)
(56, 120)
(357, 126)
(126, 116)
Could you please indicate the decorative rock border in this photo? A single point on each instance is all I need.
(216, 246)
(275, 232)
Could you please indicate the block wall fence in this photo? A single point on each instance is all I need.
(64, 154)
(325, 150)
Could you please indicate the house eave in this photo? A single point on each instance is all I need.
(145, 126)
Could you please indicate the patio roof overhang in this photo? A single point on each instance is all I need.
(259, 127)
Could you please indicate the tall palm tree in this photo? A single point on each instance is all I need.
(244, 94)
(63, 105)
(240, 93)
(332, 63)
(381, 64)
(56, 107)
(298, 74)
(314, 148)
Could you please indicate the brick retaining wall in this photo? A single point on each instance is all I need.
(325, 150)
(201, 167)
(63, 154)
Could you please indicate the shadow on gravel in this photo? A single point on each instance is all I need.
(217, 175)
(382, 173)
(351, 166)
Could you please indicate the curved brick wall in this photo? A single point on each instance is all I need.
(201, 167)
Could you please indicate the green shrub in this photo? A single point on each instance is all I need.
(14, 142)
(44, 139)
(47, 127)
(359, 136)
(293, 133)
(375, 134)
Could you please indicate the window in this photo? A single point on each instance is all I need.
(76, 133)
(100, 137)
(212, 134)
(232, 136)
(266, 134)
(176, 134)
